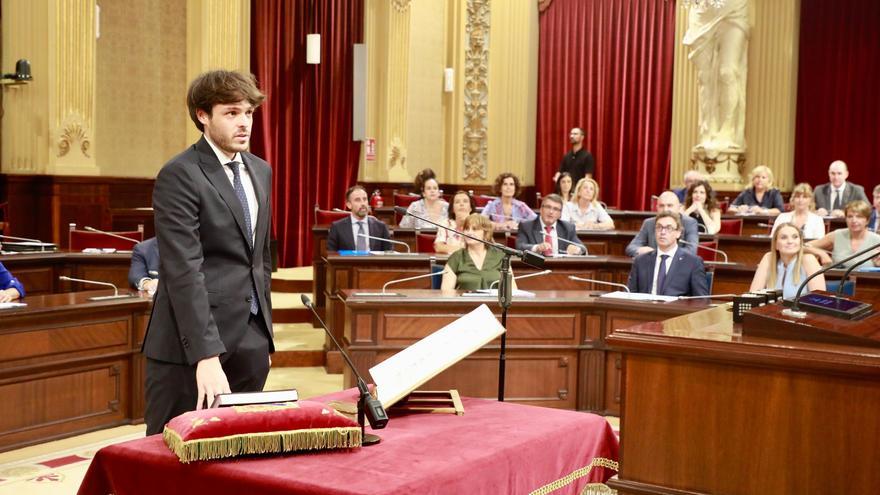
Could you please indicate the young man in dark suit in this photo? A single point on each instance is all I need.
(343, 235)
(210, 331)
(547, 234)
(668, 270)
(144, 259)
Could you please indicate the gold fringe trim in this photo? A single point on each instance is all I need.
(578, 473)
(205, 449)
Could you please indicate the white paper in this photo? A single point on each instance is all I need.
(638, 296)
(405, 371)
(494, 292)
(10, 305)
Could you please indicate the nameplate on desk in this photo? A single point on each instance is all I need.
(99, 250)
(110, 298)
(376, 294)
(494, 293)
(351, 252)
(638, 296)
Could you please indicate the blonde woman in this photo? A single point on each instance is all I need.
(476, 266)
(761, 198)
(786, 266)
(584, 210)
(700, 205)
(843, 243)
(803, 214)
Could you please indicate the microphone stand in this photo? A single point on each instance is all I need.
(849, 270)
(367, 405)
(505, 286)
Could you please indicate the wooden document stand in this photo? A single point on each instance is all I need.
(431, 401)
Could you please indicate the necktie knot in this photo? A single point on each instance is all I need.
(548, 228)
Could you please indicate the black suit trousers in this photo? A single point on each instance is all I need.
(171, 390)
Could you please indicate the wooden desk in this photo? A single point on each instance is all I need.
(556, 353)
(39, 272)
(707, 410)
(69, 365)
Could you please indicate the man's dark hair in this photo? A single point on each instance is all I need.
(353, 189)
(220, 87)
(669, 214)
(553, 198)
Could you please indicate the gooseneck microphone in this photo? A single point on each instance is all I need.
(400, 243)
(26, 239)
(850, 269)
(367, 404)
(614, 284)
(115, 295)
(795, 309)
(527, 275)
(111, 234)
(697, 247)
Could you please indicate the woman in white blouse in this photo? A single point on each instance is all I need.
(431, 206)
(585, 211)
(803, 213)
(447, 242)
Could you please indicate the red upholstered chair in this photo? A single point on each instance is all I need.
(654, 200)
(705, 253)
(323, 217)
(405, 200)
(733, 226)
(425, 243)
(482, 200)
(77, 240)
(724, 205)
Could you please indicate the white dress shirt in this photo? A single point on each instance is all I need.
(246, 183)
(671, 254)
(553, 237)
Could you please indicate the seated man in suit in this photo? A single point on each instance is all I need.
(668, 270)
(547, 234)
(645, 241)
(144, 271)
(343, 234)
(833, 196)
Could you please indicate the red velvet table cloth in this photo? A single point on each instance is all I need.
(494, 448)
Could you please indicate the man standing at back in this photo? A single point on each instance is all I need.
(578, 162)
(211, 327)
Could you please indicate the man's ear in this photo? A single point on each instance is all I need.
(203, 116)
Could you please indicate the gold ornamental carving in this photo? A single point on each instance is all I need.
(476, 90)
(400, 5)
(72, 135)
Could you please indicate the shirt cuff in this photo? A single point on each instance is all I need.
(140, 285)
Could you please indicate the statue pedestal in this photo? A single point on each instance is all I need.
(723, 169)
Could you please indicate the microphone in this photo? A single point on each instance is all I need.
(707, 248)
(850, 269)
(615, 284)
(795, 311)
(26, 239)
(527, 275)
(368, 404)
(115, 295)
(581, 246)
(111, 234)
(387, 240)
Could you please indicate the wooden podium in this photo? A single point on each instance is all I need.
(710, 407)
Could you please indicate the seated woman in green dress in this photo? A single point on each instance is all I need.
(476, 266)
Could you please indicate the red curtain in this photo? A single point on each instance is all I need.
(606, 66)
(304, 128)
(838, 100)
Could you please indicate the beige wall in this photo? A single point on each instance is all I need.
(771, 93)
(141, 84)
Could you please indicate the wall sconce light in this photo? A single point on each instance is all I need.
(22, 74)
(313, 48)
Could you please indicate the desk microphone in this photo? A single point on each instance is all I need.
(707, 248)
(795, 311)
(615, 284)
(25, 239)
(390, 241)
(850, 269)
(527, 275)
(368, 404)
(115, 295)
(111, 234)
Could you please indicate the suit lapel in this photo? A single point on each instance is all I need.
(213, 170)
(348, 234)
(677, 262)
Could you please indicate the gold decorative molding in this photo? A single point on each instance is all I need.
(72, 133)
(396, 155)
(400, 5)
(476, 90)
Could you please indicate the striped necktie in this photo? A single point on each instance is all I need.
(242, 198)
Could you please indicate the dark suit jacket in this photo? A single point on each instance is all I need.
(647, 237)
(341, 237)
(685, 277)
(206, 264)
(144, 258)
(530, 234)
(851, 192)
